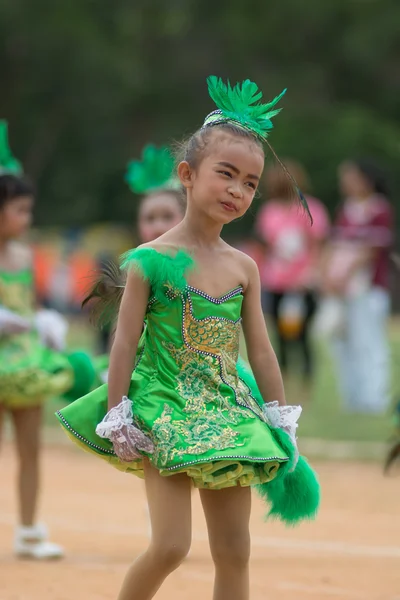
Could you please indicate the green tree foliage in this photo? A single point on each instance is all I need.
(86, 83)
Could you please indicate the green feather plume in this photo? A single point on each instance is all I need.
(8, 163)
(154, 171)
(240, 104)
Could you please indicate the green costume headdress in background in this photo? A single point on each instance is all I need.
(155, 171)
(240, 105)
(8, 163)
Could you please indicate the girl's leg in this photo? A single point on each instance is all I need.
(304, 337)
(27, 423)
(169, 501)
(227, 514)
(276, 300)
(30, 538)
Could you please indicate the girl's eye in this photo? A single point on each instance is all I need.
(251, 185)
(227, 173)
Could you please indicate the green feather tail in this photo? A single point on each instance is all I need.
(84, 375)
(8, 163)
(292, 496)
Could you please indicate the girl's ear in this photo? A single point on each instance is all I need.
(185, 174)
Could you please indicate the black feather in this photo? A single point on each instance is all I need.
(105, 293)
(298, 193)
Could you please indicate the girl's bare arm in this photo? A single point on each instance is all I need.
(260, 353)
(127, 335)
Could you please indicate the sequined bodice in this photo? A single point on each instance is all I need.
(16, 291)
(198, 323)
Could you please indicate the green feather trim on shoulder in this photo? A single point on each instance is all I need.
(164, 272)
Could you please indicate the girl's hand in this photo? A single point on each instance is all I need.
(128, 440)
(11, 323)
(284, 417)
(52, 328)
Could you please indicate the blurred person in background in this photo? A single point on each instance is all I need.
(290, 265)
(356, 277)
(162, 205)
(34, 365)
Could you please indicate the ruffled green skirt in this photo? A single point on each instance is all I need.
(252, 458)
(259, 455)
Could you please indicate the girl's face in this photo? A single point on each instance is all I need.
(16, 217)
(352, 182)
(158, 214)
(225, 182)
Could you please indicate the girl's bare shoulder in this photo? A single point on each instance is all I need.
(248, 269)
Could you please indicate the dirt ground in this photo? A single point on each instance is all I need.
(98, 514)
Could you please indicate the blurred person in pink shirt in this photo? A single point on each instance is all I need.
(290, 268)
(356, 277)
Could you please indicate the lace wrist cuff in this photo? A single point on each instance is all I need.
(282, 417)
(115, 419)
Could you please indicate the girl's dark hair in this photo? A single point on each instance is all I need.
(179, 195)
(194, 148)
(374, 173)
(13, 186)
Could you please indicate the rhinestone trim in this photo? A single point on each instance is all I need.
(231, 456)
(81, 438)
(231, 294)
(237, 291)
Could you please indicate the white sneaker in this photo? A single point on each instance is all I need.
(31, 542)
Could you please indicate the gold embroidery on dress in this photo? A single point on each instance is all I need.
(207, 362)
(195, 435)
(212, 335)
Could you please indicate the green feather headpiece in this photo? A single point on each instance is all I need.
(240, 105)
(155, 171)
(8, 163)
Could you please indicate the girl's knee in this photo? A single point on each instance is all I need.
(169, 554)
(232, 551)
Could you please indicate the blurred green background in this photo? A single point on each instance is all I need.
(86, 83)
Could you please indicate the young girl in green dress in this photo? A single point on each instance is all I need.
(186, 414)
(33, 366)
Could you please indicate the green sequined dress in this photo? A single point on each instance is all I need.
(186, 391)
(29, 372)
